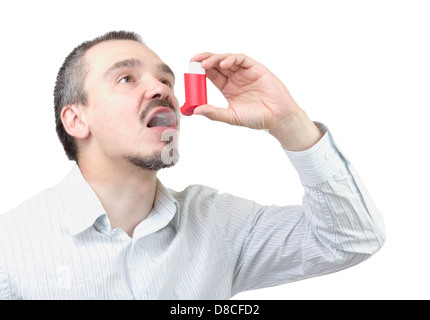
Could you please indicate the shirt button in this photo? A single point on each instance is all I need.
(144, 297)
(327, 156)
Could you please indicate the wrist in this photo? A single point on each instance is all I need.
(296, 132)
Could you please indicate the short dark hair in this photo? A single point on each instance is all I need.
(69, 86)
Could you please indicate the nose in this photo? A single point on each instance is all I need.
(156, 89)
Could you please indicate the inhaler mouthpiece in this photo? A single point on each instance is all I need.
(195, 88)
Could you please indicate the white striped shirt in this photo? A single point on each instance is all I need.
(195, 244)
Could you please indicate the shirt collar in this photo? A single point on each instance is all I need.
(83, 207)
(81, 204)
(164, 202)
(164, 211)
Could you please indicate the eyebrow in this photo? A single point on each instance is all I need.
(131, 63)
(166, 69)
(127, 63)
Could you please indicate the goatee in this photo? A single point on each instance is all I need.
(167, 157)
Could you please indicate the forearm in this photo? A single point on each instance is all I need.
(296, 132)
(336, 227)
(338, 206)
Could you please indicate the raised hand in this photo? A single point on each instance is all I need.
(257, 99)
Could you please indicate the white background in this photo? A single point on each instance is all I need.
(361, 67)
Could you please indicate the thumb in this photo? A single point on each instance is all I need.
(214, 113)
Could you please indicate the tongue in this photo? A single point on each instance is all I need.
(163, 119)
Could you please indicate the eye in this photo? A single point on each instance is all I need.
(166, 82)
(126, 79)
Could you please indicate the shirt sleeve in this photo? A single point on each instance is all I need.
(337, 225)
(5, 293)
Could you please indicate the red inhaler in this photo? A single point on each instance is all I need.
(195, 88)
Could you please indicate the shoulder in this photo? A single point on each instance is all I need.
(37, 213)
(202, 202)
(200, 195)
(194, 194)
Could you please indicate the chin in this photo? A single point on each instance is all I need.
(167, 157)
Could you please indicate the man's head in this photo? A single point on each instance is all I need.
(114, 99)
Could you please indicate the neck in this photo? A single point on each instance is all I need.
(126, 192)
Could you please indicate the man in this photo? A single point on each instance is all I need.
(111, 230)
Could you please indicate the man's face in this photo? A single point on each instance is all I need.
(131, 109)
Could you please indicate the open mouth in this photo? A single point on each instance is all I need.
(162, 118)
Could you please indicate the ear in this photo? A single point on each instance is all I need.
(74, 122)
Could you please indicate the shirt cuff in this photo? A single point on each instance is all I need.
(319, 163)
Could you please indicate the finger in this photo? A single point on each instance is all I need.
(214, 60)
(218, 78)
(199, 57)
(211, 61)
(224, 61)
(221, 66)
(235, 62)
(227, 63)
(215, 114)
